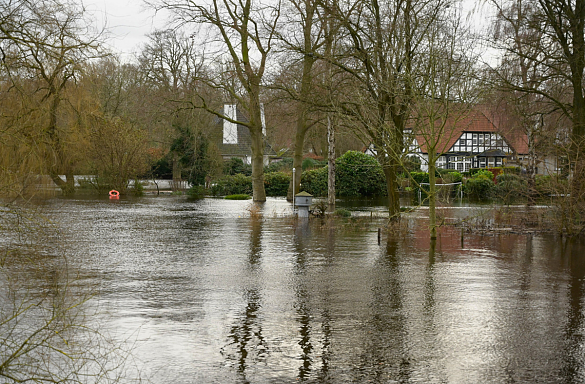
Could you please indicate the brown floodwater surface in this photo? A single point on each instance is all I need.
(212, 291)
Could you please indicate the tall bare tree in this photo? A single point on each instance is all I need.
(546, 41)
(302, 38)
(381, 57)
(244, 31)
(543, 66)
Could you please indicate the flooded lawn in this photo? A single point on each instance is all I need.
(213, 291)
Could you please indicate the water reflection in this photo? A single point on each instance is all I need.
(226, 293)
(246, 343)
(255, 240)
(575, 348)
(302, 297)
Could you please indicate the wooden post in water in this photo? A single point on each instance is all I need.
(379, 235)
(462, 243)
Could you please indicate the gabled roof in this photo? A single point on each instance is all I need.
(473, 120)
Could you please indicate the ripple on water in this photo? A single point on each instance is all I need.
(216, 294)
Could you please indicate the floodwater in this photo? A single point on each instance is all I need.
(217, 291)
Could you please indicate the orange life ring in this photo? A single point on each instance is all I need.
(114, 194)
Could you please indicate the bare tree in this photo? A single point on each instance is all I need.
(245, 32)
(381, 56)
(302, 37)
(446, 93)
(171, 66)
(543, 67)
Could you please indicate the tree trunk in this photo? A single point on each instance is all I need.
(297, 163)
(258, 191)
(392, 187)
(432, 197)
(257, 136)
(331, 164)
(176, 172)
(66, 186)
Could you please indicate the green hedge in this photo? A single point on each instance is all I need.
(315, 181)
(481, 185)
(237, 184)
(284, 165)
(235, 166)
(358, 174)
(276, 183)
(510, 186)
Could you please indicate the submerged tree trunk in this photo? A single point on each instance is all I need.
(331, 164)
(432, 196)
(67, 186)
(392, 188)
(257, 147)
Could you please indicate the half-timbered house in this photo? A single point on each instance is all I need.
(471, 141)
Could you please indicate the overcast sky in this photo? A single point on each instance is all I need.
(129, 21)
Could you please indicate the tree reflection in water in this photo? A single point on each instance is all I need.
(246, 343)
(279, 301)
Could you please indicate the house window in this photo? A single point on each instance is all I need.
(451, 166)
(467, 166)
(482, 162)
(460, 166)
(475, 139)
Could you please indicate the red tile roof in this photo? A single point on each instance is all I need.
(476, 121)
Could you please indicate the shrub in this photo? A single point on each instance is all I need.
(236, 165)
(161, 169)
(342, 212)
(481, 185)
(510, 186)
(484, 173)
(285, 164)
(452, 177)
(196, 192)
(314, 182)
(276, 183)
(237, 197)
(543, 184)
(358, 174)
(232, 185)
(137, 188)
(309, 163)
